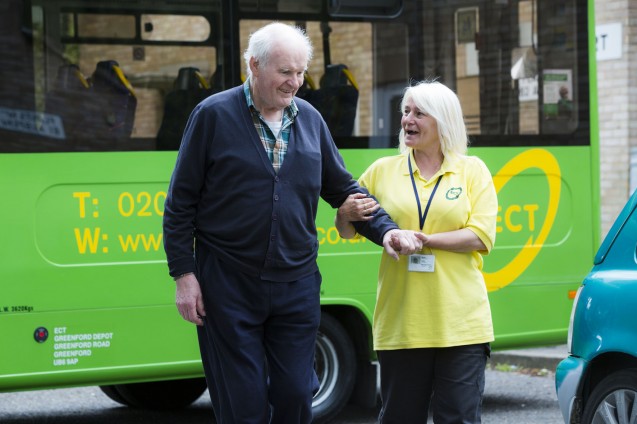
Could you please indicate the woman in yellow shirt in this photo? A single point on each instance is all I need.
(432, 321)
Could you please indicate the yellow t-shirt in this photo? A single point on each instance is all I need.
(447, 307)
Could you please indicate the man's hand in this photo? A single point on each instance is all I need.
(189, 300)
(404, 242)
(358, 207)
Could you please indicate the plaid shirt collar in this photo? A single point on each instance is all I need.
(275, 145)
(289, 113)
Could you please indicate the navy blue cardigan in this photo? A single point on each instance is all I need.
(225, 194)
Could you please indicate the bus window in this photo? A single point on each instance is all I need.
(102, 77)
(281, 6)
(339, 79)
(175, 28)
(369, 9)
(514, 65)
(101, 25)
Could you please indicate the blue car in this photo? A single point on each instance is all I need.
(597, 383)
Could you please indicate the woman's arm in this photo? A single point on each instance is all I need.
(460, 241)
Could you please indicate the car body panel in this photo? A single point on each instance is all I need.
(603, 326)
(568, 376)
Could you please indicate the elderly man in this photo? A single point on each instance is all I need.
(240, 232)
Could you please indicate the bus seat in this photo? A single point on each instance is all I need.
(70, 77)
(70, 99)
(189, 88)
(337, 99)
(216, 80)
(116, 99)
(307, 89)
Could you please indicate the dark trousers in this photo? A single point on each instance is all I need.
(450, 379)
(257, 344)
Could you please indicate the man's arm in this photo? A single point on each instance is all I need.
(183, 196)
(360, 208)
(357, 207)
(180, 210)
(338, 184)
(189, 300)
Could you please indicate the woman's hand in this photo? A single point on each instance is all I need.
(404, 242)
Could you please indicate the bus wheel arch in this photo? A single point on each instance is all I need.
(337, 361)
(335, 366)
(168, 394)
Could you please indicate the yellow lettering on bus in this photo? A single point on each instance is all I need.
(143, 204)
(524, 216)
(81, 196)
(546, 162)
(321, 230)
(530, 210)
(144, 198)
(332, 236)
(150, 242)
(87, 239)
(158, 202)
(514, 228)
(127, 198)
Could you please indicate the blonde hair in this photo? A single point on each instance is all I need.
(262, 40)
(442, 104)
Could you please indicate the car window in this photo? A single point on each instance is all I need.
(623, 251)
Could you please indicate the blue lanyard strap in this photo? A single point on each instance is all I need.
(422, 217)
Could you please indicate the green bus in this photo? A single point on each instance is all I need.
(93, 100)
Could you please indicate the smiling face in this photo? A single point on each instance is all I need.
(420, 129)
(275, 83)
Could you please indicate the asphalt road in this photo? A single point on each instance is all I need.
(510, 397)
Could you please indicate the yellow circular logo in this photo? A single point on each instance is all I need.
(546, 162)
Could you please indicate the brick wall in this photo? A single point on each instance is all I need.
(617, 88)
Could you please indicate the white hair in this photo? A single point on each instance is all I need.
(262, 41)
(442, 104)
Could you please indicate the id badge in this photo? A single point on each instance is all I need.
(421, 263)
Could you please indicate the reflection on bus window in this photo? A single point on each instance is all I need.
(513, 65)
(175, 28)
(105, 26)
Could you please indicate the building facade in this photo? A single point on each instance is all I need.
(616, 28)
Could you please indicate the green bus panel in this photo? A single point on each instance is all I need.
(87, 298)
(96, 346)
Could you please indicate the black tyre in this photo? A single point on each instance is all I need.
(172, 394)
(335, 365)
(111, 392)
(613, 400)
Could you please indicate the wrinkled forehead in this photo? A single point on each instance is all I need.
(410, 103)
(288, 56)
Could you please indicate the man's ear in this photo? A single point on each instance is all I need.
(254, 66)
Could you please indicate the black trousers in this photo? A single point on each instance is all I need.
(450, 380)
(257, 344)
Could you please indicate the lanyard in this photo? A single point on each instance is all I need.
(422, 216)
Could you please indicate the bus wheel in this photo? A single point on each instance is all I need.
(335, 366)
(613, 399)
(172, 394)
